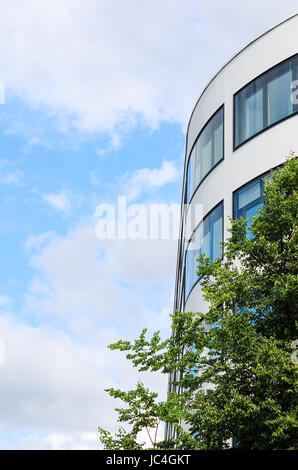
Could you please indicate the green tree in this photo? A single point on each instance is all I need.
(233, 369)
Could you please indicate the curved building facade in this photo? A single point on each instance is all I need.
(244, 124)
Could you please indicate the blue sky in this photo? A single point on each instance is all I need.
(97, 98)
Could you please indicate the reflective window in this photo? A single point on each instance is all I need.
(265, 101)
(206, 239)
(206, 153)
(248, 200)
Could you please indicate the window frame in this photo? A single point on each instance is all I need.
(221, 107)
(265, 110)
(243, 187)
(261, 176)
(190, 238)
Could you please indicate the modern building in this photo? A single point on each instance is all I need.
(244, 123)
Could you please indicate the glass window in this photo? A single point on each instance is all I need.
(206, 239)
(254, 112)
(248, 200)
(192, 253)
(206, 153)
(279, 93)
(265, 101)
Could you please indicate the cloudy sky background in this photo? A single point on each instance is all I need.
(97, 98)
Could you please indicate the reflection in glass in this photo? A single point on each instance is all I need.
(248, 200)
(279, 95)
(206, 239)
(206, 153)
(265, 101)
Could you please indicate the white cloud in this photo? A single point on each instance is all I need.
(105, 65)
(59, 201)
(95, 181)
(52, 387)
(46, 378)
(80, 281)
(83, 295)
(113, 144)
(37, 242)
(2, 93)
(9, 176)
(4, 300)
(51, 441)
(16, 178)
(56, 441)
(143, 261)
(145, 179)
(52, 384)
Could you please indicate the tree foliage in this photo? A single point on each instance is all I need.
(233, 369)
